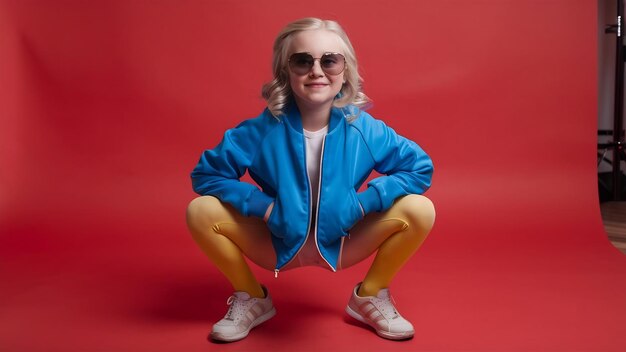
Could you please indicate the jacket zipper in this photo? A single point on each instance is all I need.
(277, 271)
(319, 192)
(317, 208)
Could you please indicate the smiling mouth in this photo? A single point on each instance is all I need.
(316, 85)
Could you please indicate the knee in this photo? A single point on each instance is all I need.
(418, 210)
(199, 211)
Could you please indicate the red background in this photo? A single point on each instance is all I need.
(105, 107)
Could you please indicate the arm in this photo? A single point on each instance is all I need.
(219, 170)
(406, 168)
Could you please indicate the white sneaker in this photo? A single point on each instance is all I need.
(380, 313)
(243, 314)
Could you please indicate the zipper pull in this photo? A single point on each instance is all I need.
(276, 273)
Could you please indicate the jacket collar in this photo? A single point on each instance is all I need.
(292, 115)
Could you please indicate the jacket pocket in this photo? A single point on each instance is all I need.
(269, 218)
(354, 212)
(273, 222)
(279, 224)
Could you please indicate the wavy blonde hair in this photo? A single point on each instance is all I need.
(277, 92)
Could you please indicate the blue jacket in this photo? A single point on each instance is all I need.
(273, 152)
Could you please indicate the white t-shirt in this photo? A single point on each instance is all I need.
(309, 254)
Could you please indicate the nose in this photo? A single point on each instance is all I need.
(316, 70)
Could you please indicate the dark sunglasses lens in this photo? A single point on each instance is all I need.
(301, 63)
(332, 64)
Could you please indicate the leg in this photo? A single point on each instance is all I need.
(225, 236)
(396, 233)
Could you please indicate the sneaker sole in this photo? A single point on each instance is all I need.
(231, 338)
(382, 333)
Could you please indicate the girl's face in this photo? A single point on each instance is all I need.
(316, 88)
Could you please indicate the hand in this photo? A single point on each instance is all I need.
(268, 212)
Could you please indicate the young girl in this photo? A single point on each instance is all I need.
(310, 151)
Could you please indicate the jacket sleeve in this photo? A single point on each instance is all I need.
(406, 168)
(219, 170)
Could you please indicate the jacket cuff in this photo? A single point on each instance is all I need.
(370, 200)
(258, 202)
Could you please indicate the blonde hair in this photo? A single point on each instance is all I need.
(277, 92)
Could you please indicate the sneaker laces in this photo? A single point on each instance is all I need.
(237, 308)
(386, 307)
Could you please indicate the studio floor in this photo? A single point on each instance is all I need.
(116, 291)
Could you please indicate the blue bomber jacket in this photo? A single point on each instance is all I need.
(274, 150)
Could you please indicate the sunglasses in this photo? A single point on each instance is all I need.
(331, 63)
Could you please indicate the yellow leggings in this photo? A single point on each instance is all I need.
(226, 236)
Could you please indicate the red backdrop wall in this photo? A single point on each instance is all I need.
(106, 106)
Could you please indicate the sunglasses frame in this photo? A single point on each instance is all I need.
(316, 58)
